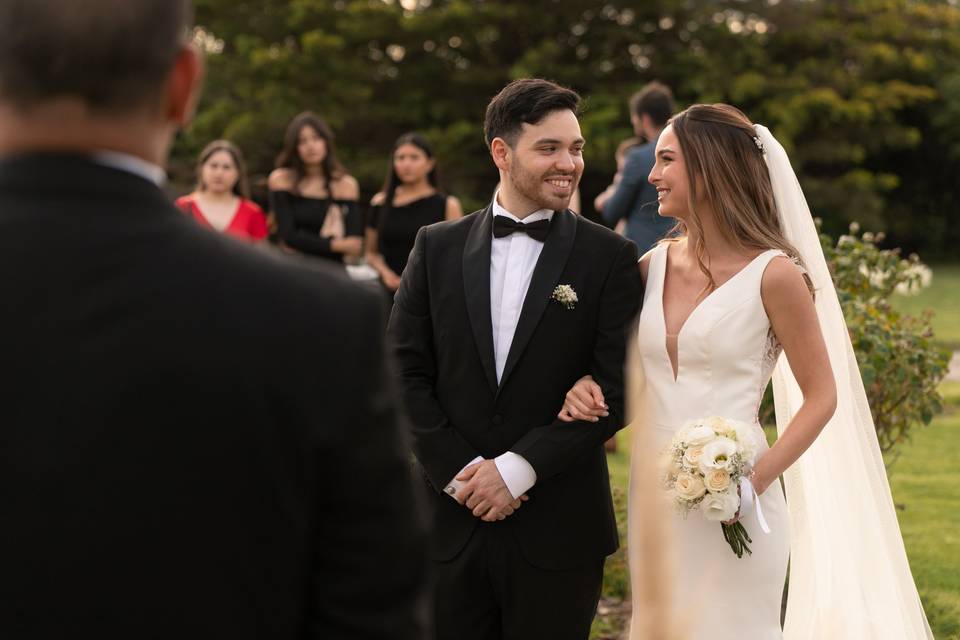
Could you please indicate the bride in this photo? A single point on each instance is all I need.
(743, 294)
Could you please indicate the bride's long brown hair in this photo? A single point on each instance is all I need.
(726, 170)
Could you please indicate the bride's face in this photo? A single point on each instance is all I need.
(669, 176)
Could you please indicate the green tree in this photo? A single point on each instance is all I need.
(865, 94)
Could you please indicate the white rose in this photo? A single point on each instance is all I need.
(689, 487)
(692, 456)
(717, 455)
(719, 507)
(750, 437)
(720, 426)
(699, 435)
(716, 480)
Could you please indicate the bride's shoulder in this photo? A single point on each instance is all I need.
(644, 262)
(783, 282)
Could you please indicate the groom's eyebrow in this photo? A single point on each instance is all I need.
(542, 141)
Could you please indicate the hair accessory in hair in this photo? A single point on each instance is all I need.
(756, 141)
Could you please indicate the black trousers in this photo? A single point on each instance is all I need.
(490, 592)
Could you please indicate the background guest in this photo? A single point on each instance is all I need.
(221, 199)
(620, 156)
(312, 197)
(635, 199)
(410, 199)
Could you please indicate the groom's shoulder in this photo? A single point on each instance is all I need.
(449, 231)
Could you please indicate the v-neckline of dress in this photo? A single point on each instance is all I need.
(696, 308)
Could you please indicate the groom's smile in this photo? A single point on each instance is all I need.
(545, 163)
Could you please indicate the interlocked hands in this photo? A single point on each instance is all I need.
(485, 493)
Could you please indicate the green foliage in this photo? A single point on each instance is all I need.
(865, 94)
(901, 366)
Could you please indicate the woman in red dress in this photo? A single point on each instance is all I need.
(221, 199)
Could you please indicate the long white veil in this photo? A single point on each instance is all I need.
(849, 576)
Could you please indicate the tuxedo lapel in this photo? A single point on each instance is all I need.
(476, 288)
(553, 258)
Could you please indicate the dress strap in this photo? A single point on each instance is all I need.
(655, 272)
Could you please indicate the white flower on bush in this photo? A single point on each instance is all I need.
(717, 454)
(716, 481)
(689, 487)
(876, 277)
(919, 277)
(721, 506)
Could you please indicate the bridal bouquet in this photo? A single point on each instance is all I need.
(704, 466)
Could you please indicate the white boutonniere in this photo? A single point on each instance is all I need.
(565, 295)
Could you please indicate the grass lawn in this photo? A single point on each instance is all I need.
(926, 487)
(943, 294)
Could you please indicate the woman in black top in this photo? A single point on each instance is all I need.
(410, 199)
(313, 199)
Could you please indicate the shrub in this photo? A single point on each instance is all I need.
(901, 366)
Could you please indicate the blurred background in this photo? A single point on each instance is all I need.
(865, 95)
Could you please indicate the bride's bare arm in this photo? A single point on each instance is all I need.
(793, 317)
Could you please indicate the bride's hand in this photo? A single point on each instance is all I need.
(584, 402)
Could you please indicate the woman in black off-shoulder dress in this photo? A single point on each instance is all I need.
(312, 198)
(410, 199)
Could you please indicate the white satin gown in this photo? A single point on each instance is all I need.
(726, 355)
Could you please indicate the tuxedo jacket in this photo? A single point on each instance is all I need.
(442, 333)
(197, 440)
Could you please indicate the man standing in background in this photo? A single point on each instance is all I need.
(636, 199)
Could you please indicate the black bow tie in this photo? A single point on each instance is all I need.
(504, 226)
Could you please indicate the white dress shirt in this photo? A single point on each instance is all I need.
(512, 261)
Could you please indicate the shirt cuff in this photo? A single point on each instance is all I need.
(455, 485)
(517, 473)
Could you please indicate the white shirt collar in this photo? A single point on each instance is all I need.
(131, 164)
(539, 214)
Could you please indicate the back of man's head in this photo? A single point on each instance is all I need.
(654, 100)
(114, 55)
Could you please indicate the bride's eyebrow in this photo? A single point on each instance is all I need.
(664, 151)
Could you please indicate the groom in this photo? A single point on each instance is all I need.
(497, 316)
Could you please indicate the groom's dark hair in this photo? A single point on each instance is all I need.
(112, 54)
(529, 101)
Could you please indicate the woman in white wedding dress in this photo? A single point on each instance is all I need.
(744, 282)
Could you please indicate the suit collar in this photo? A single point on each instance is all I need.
(73, 175)
(476, 288)
(546, 275)
(131, 164)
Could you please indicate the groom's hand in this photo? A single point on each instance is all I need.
(485, 492)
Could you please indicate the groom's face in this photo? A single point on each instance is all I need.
(546, 161)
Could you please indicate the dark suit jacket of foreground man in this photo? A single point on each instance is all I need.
(441, 329)
(197, 439)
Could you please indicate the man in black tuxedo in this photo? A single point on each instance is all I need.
(497, 316)
(198, 440)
